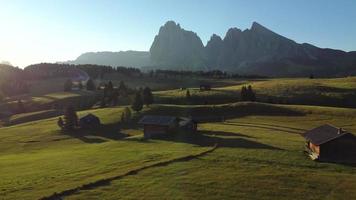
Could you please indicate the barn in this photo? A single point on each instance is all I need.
(330, 143)
(157, 125)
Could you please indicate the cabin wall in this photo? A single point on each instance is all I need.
(154, 130)
(339, 149)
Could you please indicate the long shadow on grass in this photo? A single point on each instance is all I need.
(211, 138)
(260, 126)
(99, 134)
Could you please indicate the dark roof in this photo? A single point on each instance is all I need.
(323, 134)
(183, 121)
(89, 117)
(157, 120)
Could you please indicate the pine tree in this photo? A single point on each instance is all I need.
(126, 115)
(110, 86)
(80, 86)
(137, 104)
(68, 85)
(90, 85)
(122, 88)
(244, 93)
(147, 96)
(70, 119)
(251, 96)
(187, 95)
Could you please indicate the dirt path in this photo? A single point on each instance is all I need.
(103, 182)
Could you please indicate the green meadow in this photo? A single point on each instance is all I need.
(259, 155)
(338, 92)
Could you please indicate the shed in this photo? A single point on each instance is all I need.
(205, 87)
(330, 143)
(89, 121)
(157, 125)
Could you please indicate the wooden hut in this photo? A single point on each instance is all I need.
(330, 143)
(156, 125)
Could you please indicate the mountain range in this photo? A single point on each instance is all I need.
(257, 51)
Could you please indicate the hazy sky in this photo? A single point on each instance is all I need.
(34, 31)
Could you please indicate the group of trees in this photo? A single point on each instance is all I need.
(142, 97)
(247, 94)
(206, 74)
(68, 85)
(111, 93)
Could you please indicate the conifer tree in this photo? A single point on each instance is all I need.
(70, 119)
(137, 104)
(147, 96)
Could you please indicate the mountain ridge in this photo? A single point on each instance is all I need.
(256, 50)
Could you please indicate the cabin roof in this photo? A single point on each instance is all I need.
(323, 134)
(157, 120)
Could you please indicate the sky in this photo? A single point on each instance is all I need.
(34, 31)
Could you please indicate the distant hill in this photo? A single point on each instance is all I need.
(121, 58)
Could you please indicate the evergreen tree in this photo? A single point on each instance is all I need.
(147, 96)
(90, 85)
(68, 85)
(137, 104)
(187, 95)
(122, 88)
(126, 115)
(110, 86)
(251, 96)
(244, 93)
(70, 119)
(80, 86)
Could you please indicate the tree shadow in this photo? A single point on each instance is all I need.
(98, 134)
(210, 138)
(224, 134)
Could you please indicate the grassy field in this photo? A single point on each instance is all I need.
(259, 156)
(328, 92)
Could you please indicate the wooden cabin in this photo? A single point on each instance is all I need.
(330, 143)
(89, 121)
(156, 125)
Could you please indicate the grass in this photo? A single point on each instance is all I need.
(327, 92)
(36, 159)
(260, 157)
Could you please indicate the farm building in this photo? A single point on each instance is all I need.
(204, 87)
(155, 125)
(329, 143)
(89, 121)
